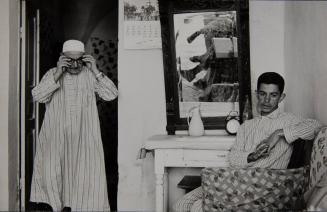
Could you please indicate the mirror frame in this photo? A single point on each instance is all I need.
(167, 9)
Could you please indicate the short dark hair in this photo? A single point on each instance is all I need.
(271, 78)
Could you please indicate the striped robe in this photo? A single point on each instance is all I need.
(69, 169)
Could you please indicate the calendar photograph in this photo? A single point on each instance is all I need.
(141, 24)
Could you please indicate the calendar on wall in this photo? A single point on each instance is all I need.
(141, 24)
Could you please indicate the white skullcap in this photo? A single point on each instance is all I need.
(73, 46)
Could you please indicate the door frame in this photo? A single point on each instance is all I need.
(22, 105)
(29, 111)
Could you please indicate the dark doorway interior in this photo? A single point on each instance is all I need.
(95, 22)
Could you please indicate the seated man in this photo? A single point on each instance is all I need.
(264, 141)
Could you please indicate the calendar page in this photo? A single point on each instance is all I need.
(141, 24)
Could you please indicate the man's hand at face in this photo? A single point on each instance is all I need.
(90, 63)
(62, 65)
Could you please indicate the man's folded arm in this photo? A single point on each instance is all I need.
(305, 129)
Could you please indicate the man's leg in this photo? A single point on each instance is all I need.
(185, 203)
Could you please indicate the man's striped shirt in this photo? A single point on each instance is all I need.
(254, 131)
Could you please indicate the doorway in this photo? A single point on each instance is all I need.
(47, 24)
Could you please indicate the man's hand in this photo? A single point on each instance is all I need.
(62, 65)
(263, 149)
(260, 152)
(272, 140)
(63, 62)
(90, 63)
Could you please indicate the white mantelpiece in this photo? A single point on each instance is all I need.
(185, 151)
(213, 142)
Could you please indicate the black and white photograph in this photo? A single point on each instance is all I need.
(141, 24)
(163, 105)
(141, 10)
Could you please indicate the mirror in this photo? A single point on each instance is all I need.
(206, 56)
(206, 59)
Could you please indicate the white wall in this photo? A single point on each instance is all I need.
(141, 114)
(266, 40)
(305, 58)
(13, 110)
(4, 88)
(319, 55)
(298, 57)
(8, 97)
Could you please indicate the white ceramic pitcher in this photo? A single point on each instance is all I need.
(195, 126)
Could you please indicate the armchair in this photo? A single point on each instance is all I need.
(253, 189)
(258, 189)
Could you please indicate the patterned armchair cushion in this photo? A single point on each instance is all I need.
(318, 162)
(253, 189)
(317, 192)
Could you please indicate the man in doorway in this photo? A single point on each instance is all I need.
(69, 169)
(264, 141)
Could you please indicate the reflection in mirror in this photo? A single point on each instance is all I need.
(206, 59)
